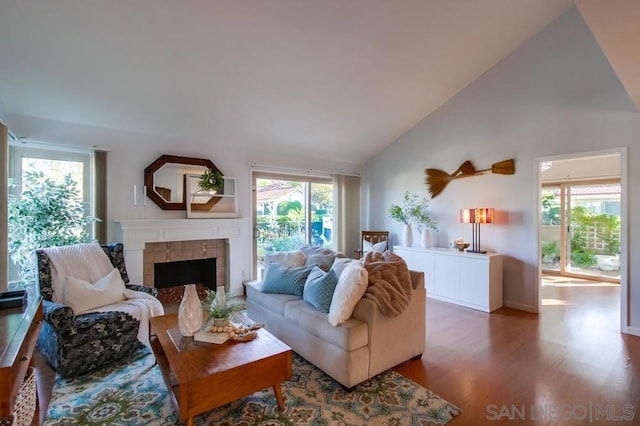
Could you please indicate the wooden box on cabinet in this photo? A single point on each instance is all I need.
(466, 279)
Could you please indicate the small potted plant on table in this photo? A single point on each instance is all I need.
(220, 307)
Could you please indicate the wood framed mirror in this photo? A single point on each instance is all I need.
(164, 179)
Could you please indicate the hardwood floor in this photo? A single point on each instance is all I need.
(513, 367)
(565, 360)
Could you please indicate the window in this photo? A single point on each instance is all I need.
(290, 211)
(55, 164)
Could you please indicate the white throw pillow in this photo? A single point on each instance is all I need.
(351, 286)
(290, 259)
(83, 296)
(378, 247)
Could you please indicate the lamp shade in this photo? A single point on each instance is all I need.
(467, 215)
(485, 215)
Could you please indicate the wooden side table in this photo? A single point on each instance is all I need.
(19, 328)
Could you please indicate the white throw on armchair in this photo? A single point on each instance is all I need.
(91, 316)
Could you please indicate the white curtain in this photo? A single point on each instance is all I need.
(347, 216)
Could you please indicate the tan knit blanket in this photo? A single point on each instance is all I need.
(389, 282)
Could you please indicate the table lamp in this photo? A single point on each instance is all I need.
(475, 217)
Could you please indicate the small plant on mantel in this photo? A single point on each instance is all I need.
(211, 180)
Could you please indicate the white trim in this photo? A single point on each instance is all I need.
(537, 219)
(635, 331)
(520, 306)
(625, 308)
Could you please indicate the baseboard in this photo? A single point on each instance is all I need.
(632, 330)
(520, 306)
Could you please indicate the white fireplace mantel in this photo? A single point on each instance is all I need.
(137, 232)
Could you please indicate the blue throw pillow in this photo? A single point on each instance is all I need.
(280, 279)
(319, 288)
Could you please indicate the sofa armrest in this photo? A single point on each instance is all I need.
(404, 333)
(109, 320)
(61, 317)
(366, 310)
(57, 314)
(417, 279)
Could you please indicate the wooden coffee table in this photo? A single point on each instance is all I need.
(202, 376)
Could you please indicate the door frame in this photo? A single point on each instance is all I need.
(624, 228)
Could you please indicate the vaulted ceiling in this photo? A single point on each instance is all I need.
(332, 79)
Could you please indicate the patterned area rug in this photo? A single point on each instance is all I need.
(133, 393)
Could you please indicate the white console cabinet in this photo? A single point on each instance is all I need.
(467, 279)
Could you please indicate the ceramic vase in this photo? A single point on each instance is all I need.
(190, 312)
(407, 235)
(221, 296)
(426, 238)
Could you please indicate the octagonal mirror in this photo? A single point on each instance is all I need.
(164, 179)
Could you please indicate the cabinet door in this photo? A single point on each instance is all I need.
(474, 281)
(447, 276)
(420, 261)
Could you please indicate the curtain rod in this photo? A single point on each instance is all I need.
(23, 141)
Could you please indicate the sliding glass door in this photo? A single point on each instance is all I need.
(580, 229)
(290, 211)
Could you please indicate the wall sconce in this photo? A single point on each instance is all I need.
(475, 217)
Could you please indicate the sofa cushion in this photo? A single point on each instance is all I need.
(290, 259)
(319, 287)
(280, 279)
(351, 335)
(351, 286)
(273, 302)
(368, 246)
(323, 257)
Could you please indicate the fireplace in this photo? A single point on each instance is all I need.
(196, 271)
(151, 241)
(175, 263)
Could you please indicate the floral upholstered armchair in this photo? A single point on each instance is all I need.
(77, 343)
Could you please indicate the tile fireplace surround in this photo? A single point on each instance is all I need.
(136, 233)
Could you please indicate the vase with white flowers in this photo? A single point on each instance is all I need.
(414, 211)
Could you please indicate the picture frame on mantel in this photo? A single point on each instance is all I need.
(203, 204)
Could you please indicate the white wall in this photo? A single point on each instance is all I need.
(555, 95)
(130, 153)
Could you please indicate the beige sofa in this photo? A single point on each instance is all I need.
(365, 345)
